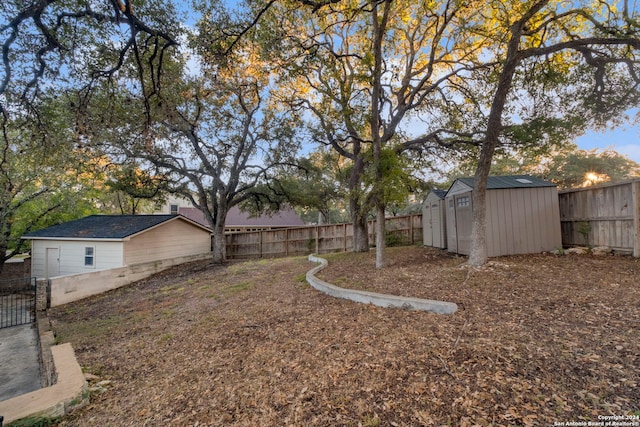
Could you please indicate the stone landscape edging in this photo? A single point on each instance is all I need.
(70, 391)
(380, 300)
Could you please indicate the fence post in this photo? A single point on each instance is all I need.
(286, 242)
(260, 243)
(411, 229)
(317, 240)
(344, 237)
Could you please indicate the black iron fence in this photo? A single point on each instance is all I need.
(17, 302)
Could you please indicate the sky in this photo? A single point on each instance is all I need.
(624, 139)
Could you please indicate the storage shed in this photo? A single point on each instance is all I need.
(523, 215)
(103, 242)
(602, 215)
(434, 225)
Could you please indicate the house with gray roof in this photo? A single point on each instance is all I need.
(238, 221)
(523, 215)
(103, 242)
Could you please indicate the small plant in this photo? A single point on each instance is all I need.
(393, 239)
(584, 228)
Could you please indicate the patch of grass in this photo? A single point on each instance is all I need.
(237, 288)
(348, 283)
(240, 268)
(177, 287)
(34, 422)
(91, 327)
(99, 369)
(302, 278)
(370, 421)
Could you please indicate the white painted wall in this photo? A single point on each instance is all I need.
(71, 255)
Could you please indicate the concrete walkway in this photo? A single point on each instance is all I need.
(19, 363)
(381, 300)
(69, 392)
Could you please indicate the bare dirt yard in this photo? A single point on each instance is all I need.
(537, 340)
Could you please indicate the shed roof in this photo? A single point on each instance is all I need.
(510, 181)
(104, 227)
(439, 193)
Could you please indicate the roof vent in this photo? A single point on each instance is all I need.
(524, 181)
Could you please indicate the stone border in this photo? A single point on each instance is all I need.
(381, 300)
(69, 392)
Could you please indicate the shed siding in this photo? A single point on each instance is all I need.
(519, 221)
(71, 254)
(169, 240)
(434, 221)
(452, 233)
(609, 212)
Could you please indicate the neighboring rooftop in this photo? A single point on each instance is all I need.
(237, 218)
(510, 181)
(102, 227)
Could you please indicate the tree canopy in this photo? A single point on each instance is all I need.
(213, 115)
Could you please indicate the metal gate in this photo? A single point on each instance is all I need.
(17, 302)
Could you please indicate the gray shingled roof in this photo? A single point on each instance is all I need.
(439, 193)
(102, 227)
(511, 181)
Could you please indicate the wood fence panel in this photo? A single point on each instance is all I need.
(274, 243)
(604, 213)
(319, 239)
(302, 241)
(244, 245)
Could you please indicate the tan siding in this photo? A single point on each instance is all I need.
(508, 245)
(539, 218)
(554, 233)
(169, 240)
(517, 225)
(452, 232)
(494, 223)
(522, 221)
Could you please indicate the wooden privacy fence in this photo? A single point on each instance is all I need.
(319, 239)
(602, 215)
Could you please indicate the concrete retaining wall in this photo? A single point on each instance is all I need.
(66, 289)
(381, 300)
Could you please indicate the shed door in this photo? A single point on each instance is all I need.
(436, 225)
(53, 262)
(427, 225)
(452, 235)
(464, 219)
